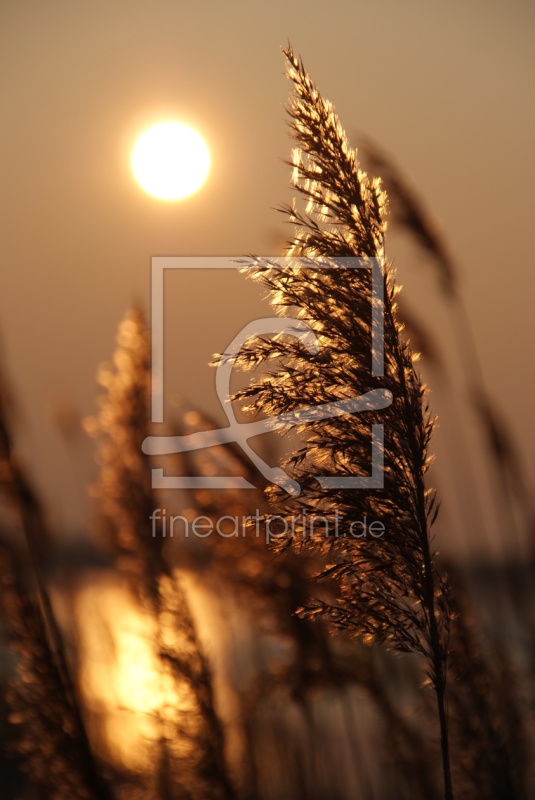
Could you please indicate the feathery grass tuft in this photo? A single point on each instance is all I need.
(389, 589)
(127, 503)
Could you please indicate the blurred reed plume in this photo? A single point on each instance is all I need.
(51, 737)
(51, 741)
(490, 731)
(411, 215)
(191, 747)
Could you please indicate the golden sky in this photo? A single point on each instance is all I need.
(445, 88)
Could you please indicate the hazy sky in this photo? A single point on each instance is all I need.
(445, 88)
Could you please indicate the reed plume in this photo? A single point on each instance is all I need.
(43, 699)
(192, 757)
(410, 214)
(488, 701)
(51, 739)
(389, 589)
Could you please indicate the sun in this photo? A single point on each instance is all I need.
(170, 161)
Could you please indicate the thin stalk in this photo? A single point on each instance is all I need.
(438, 661)
(440, 682)
(34, 531)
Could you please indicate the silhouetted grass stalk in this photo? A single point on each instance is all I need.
(390, 591)
(46, 690)
(127, 502)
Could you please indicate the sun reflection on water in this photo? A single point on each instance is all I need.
(130, 698)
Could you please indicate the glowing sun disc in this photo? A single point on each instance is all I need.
(170, 161)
